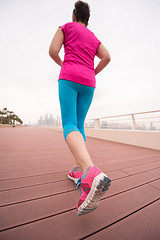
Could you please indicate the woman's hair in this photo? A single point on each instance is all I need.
(82, 12)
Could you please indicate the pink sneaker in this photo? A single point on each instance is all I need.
(94, 183)
(75, 174)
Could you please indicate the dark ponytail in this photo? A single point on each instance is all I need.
(82, 12)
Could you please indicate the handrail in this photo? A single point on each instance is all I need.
(123, 115)
(134, 125)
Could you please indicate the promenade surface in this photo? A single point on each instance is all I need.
(38, 202)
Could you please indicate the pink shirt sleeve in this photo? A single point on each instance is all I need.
(63, 28)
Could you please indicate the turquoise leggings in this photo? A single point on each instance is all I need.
(75, 100)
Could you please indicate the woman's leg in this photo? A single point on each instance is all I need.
(77, 146)
(75, 101)
(70, 96)
(75, 140)
(68, 100)
(76, 163)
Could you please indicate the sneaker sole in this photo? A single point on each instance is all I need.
(73, 179)
(100, 185)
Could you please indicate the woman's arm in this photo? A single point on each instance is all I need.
(56, 45)
(103, 54)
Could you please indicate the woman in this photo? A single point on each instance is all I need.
(76, 88)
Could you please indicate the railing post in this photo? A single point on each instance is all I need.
(97, 123)
(134, 122)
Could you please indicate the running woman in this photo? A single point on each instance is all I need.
(76, 86)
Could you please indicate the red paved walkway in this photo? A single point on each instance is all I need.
(37, 201)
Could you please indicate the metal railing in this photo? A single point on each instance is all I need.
(132, 121)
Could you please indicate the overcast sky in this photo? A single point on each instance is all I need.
(29, 78)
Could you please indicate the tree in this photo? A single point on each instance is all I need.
(10, 113)
(19, 120)
(3, 112)
(9, 117)
(1, 115)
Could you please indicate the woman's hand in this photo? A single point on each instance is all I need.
(56, 45)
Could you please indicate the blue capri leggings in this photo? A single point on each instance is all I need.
(75, 100)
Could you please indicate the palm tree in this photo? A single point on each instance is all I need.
(19, 120)
(1, 115)
(14, 119)
(3, 112)
(9, 116)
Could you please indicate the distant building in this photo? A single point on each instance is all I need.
(49, 120)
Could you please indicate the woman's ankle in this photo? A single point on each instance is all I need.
(84, 169)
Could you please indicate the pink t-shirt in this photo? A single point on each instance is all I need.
(80, 46)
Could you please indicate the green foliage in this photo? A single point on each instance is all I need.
(8, 117)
